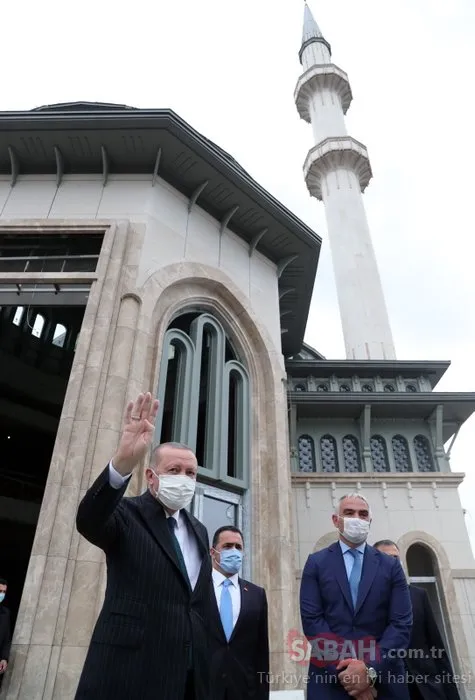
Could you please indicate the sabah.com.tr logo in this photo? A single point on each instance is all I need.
(328, 649)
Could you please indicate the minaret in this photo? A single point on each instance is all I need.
(337, 171)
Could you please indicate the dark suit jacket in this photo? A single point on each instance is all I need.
(432, 674)
(383, 613)
(240, 667)
(152, 625)
(5, 633)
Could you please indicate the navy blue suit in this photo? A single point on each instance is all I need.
(383, 612)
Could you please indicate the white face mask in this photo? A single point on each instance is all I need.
(175, 491)
(355, 530)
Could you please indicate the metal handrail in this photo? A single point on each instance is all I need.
(49, 257)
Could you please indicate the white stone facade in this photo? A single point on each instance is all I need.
(159, 257)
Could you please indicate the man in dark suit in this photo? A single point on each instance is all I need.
(5, 631)
(151, 638)
(430, 675)
(354, 602)
(239, 632)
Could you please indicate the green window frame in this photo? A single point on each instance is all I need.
(227, 381)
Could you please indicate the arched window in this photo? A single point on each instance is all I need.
(351, 454)
(423, 571)
(402, 458)
(300, 387)
(204, 392)
(423, 451)
(38, 326)
(329, 454)
(307, 461)
(59, 335)
(379, 454)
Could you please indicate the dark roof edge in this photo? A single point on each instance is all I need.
(56, 120)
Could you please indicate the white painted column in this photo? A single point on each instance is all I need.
(364, 317)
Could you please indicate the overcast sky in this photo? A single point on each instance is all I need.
(230, 68)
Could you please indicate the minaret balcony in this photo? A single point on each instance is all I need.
(343, 152)
(317, 78)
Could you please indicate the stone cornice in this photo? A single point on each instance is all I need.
(326, 76)
(333, 154)
(416, 479)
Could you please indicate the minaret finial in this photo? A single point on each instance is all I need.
(311, 32)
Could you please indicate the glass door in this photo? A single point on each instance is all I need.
(216, 507)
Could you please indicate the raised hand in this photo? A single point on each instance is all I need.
(137, 434)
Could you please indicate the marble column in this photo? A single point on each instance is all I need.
(42, 616)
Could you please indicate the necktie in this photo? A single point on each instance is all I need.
(226, 609)
(172, 524)
(355, 575)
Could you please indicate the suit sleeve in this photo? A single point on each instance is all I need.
(314, 624)
(397, 634)
(7, 638)
(263, 650)
(98, 518)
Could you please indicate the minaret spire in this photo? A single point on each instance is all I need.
(310, 27)
(315, 48)
(337, 171)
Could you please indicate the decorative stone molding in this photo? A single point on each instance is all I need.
(327, 77)
(368, 479)
(171, 291)
(334, 154)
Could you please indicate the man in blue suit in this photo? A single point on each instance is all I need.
(356, 612)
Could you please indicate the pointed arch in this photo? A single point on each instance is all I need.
(204, 289)
(449, 600)
(379, 454)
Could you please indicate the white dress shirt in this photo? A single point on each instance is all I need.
(234, 590)
(186, 539)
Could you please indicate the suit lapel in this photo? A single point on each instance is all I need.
(370, 567)
(156, 521)
(205, 571)
(340, 572)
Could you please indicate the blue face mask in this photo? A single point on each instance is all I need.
(230, 560)
(2, 597)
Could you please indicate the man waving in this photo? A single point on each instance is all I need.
(150, 639)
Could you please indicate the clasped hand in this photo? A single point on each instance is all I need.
(354, 678)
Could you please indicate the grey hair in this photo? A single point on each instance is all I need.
(155, 453)
(351, 495)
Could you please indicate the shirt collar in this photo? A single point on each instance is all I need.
(359, 548)
(177, 515)
(218, 578)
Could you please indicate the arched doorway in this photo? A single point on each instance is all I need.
(423, 572)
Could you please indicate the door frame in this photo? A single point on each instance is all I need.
(231, 497)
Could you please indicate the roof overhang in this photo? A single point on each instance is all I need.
(107, 139)
(434, 371)
(457, 407)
